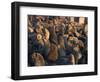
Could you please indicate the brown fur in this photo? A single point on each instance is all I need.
(38, 59)
(61, 42)
(53, 54)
